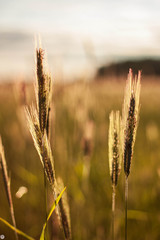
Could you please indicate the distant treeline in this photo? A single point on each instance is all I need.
(148, 67)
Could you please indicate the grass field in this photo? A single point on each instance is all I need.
(80, 112)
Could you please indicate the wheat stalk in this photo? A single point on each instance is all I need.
(38, 123)
(131, 109)
(43, 96)
(115, 152)
(7, 184)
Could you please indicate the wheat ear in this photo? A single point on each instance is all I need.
(42, 145)
(38, 121)
(115, 152)
(131, 109)
(43, 89)
(7, 184)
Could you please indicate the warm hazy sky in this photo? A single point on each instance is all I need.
(111, 30)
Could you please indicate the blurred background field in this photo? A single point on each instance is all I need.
(79, 140)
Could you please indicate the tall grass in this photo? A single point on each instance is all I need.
(7, 180)
(38, 123)
(130, 123)
(115, 156)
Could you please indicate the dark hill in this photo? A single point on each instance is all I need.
(148, 67)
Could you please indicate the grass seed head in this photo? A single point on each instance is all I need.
(41, 143)
(130, 118)
(43, 90)
(114, 142)
(48, 160)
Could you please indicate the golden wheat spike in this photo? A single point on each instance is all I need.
(38, 123)
(48, 161)
(130, 122)
(41, 144)
(42, 97)
(130, 117)
(115, 153)
(114, 142)
(34, 128)
(49, 88)
(43, 90)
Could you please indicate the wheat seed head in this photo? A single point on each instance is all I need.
(42, 93)
(34, 128)
(42, 88)
(48, 161)
(42, 144)
(114, 142)
(131, 109)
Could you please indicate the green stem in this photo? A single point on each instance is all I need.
(126, 205)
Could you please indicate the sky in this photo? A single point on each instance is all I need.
(77, 35)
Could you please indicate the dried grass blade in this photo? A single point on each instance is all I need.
(7, 184)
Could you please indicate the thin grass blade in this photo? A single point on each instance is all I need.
(16, 229)
(42, 237)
